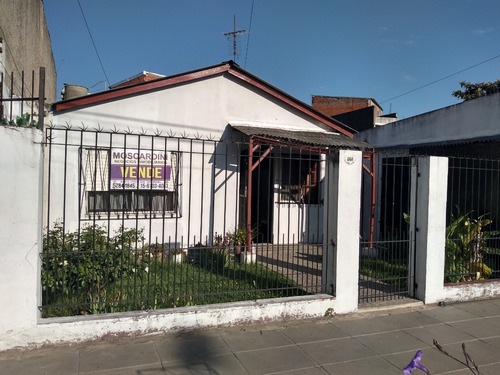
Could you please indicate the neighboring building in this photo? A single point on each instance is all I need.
(205, 122)
(469, 135)
(25, 46)
(470, 128)
(357, 113)
(138, 78)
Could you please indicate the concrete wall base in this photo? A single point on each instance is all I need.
(73, 330)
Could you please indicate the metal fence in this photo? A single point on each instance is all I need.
(473, 214)
(386, 244)
(139, 222)
(21, 106)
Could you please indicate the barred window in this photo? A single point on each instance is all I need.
(299, 181)
(127, 181)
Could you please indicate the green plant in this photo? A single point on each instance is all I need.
(23, 120)
(239, 236)
(85, 263)
(466, 244)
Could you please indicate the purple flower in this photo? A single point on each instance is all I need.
(414, 364)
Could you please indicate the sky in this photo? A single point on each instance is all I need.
(407, 55)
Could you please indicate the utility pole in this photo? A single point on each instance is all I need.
(234, 33)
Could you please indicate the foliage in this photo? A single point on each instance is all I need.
(92, 272)
(23, 120)
(239, 236)
(83, 264)
(393, 272)
(476, 90)
(466, 244)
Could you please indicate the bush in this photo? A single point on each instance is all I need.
(84, 264)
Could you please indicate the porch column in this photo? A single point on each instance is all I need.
(429, 219)
(342, 209)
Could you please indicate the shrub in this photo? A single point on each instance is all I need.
(83, 265)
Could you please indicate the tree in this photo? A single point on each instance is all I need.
(476, 90)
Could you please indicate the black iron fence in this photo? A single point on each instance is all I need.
(24, 104)
(386, 243)
(473, 214)
(139, 222)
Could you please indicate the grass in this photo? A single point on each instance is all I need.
(394, 272)
(161, 283)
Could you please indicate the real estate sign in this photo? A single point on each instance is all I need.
(140, 169)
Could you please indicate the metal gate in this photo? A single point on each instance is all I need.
(386, 241)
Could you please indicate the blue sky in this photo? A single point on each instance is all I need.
(362, 48)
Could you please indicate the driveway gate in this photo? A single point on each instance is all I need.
(386, 242)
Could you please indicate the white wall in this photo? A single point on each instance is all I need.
(473, 119)
(202, 108)
(20, 228)
(208, 187)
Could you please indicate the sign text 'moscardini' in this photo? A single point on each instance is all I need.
(140, 169)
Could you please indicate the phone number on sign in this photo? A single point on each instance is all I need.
(142, 185)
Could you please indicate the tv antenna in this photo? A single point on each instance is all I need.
(234, 34)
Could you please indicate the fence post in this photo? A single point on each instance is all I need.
(430, 223)
(342, 222)
(21, 224)
(41, 98)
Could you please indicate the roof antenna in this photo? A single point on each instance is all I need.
(234, 33)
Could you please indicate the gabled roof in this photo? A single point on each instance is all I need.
(224, 68)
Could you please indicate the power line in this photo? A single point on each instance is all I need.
(91, 38)
(440, 79)
(248, 39)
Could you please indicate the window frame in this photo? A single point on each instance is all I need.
(137, 201)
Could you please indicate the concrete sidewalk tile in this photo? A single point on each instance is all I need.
(362, 326)
(447, 314)
(222, 364)
(340, 350)
(368, 366)
(482, 353)
(488, 370)
(435, 361)
(443, 333)
(480, 328)
(317, 370)
(481, 308)
(410, 319)
(271, 360)
(41, 362)
(197, 346)
(133, 370)
(391, 342)
(313, 332)
(493, 341)
(115, 356)
(242, 341)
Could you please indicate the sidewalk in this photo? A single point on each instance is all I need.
(377, 342)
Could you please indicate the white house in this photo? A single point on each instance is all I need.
(174, 153)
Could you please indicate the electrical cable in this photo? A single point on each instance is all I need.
(440, 79)
(248, 39)
(91, 38)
